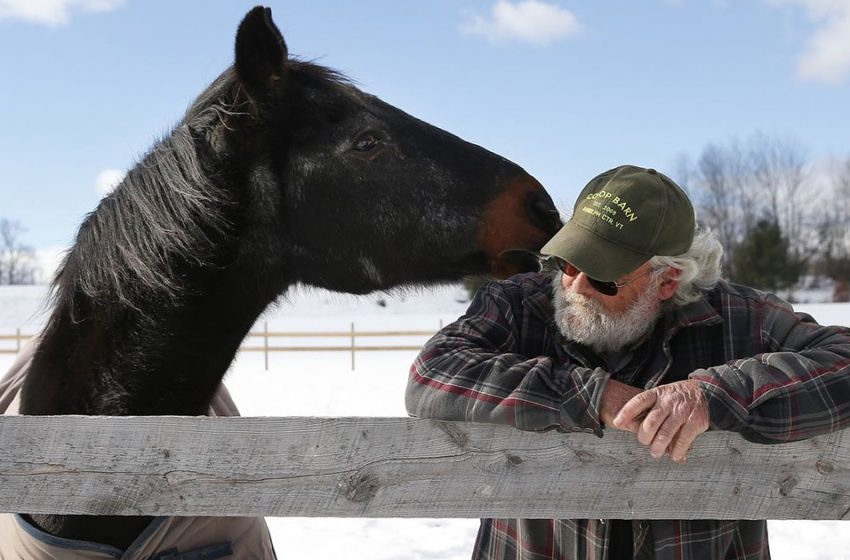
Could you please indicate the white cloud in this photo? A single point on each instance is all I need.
(108, 179)
(530, 21)
(827, 54)
(52, 12)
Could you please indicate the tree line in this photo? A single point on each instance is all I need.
(778, 216)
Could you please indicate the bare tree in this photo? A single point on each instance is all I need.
(17, 261)
(780, 178)
(835, 233)
(719, 196)
(737, 186)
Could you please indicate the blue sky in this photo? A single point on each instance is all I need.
(565, 88)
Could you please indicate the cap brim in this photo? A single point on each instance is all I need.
(592, 254)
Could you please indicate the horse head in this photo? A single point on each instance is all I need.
(281, 172)
(372, 196)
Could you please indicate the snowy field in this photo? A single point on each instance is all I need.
(323, 384)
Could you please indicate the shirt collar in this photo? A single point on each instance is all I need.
(539, 303)
(698, 313)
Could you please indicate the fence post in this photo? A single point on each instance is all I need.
(18, 339)
(352, 346)
(266, 342)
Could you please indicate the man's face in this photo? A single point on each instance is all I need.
(634, 284)
(609, 323)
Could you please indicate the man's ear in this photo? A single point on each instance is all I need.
(669, 284)
(261, 52)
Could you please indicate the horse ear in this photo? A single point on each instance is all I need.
(261, 52)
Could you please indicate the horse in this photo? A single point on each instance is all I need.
(281, 173)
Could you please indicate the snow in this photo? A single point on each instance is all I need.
(323, 384)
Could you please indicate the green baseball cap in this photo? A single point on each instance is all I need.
(623, 218)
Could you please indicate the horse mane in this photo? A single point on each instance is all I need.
(169, 212)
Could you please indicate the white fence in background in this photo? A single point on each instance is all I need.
(268, 342)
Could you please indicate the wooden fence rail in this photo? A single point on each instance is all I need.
(400, 467)
(18, 339)
(268, 344)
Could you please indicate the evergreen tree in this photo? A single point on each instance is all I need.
(763, 259)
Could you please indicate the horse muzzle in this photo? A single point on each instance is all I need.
(515, 225)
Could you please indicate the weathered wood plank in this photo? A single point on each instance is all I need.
(398, 467)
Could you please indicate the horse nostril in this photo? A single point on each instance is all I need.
(542, 211)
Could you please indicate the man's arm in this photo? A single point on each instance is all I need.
(799, 389)
(472, 371)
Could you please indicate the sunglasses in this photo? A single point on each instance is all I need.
(604, 288)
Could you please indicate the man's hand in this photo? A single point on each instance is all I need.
(667, 418)
(614, 396)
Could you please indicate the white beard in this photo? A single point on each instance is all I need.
(586, 321)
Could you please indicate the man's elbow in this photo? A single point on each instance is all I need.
(414, 397)
(422, 401)
(411, 401)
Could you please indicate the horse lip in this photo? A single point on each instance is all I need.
(531, 259)
(514, 261)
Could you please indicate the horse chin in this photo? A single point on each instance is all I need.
(501, 266)
(514, 261)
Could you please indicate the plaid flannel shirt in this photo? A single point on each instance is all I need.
(769, 373)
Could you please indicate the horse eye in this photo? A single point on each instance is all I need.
(366, 142)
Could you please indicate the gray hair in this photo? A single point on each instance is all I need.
(699, 267)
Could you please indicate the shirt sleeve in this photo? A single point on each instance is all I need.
(472, 371)
(799, 388)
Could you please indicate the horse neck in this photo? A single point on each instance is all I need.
(168, 359)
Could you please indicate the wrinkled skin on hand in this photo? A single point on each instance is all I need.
(667, 418)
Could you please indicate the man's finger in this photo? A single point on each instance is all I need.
(651, 424)
(669, 430)
(684, 441)
(614, 396)
(630, 416)
(677, 449)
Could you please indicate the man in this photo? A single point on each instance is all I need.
(634, 330)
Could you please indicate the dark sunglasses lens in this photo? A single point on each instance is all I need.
(605, 288)
(567, 268)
